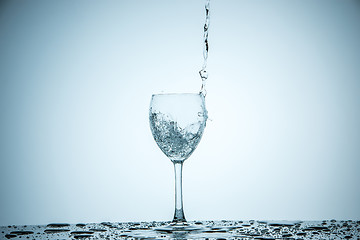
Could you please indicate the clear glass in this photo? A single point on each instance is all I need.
(177, 122)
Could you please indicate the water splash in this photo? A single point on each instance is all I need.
(203, 73)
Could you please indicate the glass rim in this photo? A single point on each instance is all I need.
(175, 94)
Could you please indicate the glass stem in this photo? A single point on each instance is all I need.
(179, 216)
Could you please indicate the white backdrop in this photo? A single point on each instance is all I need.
(76, 79)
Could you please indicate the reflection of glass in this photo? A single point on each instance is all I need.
(177, 122)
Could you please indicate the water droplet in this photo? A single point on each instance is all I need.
(83, 236)
(8, 236)
(56, 230)
(58, 225)
(81, 232)
(22, 232)
(97, 230)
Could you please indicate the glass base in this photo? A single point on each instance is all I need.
(178, 227)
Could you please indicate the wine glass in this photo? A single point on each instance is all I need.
(177, 122)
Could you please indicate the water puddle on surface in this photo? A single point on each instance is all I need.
(327, 229)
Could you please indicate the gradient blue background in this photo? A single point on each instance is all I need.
(76, 79)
